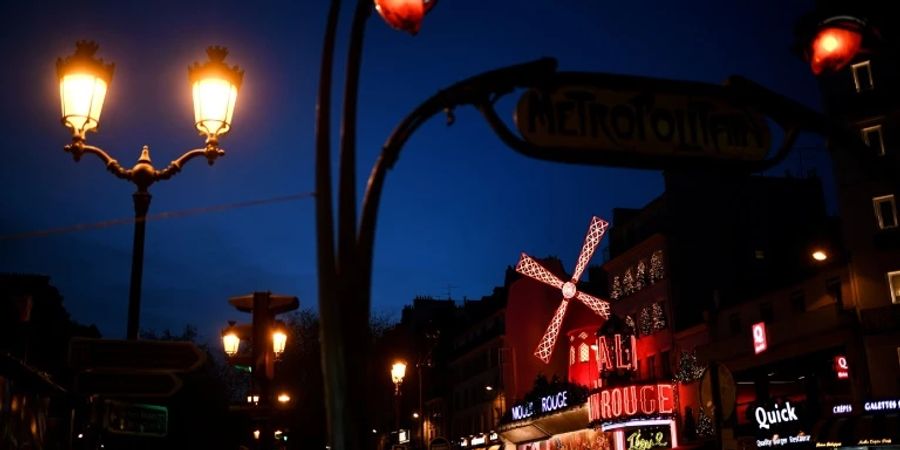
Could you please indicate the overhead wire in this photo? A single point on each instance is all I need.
(156, 216)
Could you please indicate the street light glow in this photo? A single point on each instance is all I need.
(833, 48)
(284, 397)
(820, 255)
(83, 81)
(215, 86)
(279, 341)
(231, 342)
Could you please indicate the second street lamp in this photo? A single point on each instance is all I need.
(83, 84)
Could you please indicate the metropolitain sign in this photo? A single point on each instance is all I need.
(623, 402)
(638, 121)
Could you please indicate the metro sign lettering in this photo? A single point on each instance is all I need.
(760, 341)
(841, 367)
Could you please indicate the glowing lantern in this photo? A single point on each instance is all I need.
(833, 48)
(279, 341)
(231, 342)
(215, 86)
(404, 15)
(83, 81)
(398, 371)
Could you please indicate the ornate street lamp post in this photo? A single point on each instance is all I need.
(398, 371)
(83, 84)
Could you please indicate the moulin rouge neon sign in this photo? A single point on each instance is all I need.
(622, 402)
(618, 355)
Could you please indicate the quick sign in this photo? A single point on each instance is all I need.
(637, 117)
(767, 417)
(546, 404)
(626, 401)
(760, 340)
(841, 368)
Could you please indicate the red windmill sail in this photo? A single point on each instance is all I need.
(530, 268)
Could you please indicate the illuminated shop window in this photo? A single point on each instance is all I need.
(885, 211)
(584, 353)
(894, 283)
(862, 76)
(874, 138)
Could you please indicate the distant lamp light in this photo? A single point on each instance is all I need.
(284, 397)
(279, 341)
(404, 15)
(398, 371)
(836, 43)
(83, 81)
(374, 431)
(215, 87)
(231, 342)
(489, 388)
(819, 255)
(255, 434)
(415, 415)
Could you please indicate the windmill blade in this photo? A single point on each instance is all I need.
(591, 240)
(530, 268)
(548, 341)
(600, 307)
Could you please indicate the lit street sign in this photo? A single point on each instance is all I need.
(134, 355)
(639, 122)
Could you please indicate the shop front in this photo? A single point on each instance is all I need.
(870, 424)
(638, 417)
(553, 417)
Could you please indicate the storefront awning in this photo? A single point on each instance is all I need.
(857, 431)
(544, 427)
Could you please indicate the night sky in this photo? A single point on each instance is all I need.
(457, 209)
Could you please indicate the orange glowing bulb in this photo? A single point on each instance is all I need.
(833, 48)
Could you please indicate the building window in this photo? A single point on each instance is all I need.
(651, 367)
(894, 283)
(766, 313)
(734, 323)
(798, 301)
(833, 289)
(885, 211)
(584, 353)
(862, 76)
(759, 254)
(571, 355)
(873, 137)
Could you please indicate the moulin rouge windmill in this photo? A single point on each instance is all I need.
(530, 268)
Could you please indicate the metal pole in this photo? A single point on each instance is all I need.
(141, 206)
(421, 411)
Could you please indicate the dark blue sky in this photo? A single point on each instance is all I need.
(458, 207)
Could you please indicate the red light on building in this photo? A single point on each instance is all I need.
(760, 341)
(833, 48)
(404, 15)
(626, 401)
(841, 367)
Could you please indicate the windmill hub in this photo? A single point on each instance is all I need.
(568, 290)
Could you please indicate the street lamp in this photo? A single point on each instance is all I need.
(83, 84)
(279, 340)
(398, 371)
(231, 342)
(836, 43)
